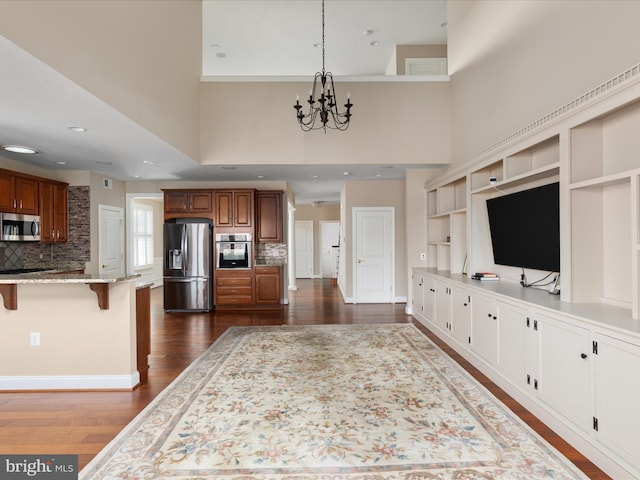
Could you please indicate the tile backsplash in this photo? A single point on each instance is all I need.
(272, 250)
(76, 251)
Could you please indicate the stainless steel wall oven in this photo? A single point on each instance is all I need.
(233, 250)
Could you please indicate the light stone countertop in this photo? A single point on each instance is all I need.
(61, 277)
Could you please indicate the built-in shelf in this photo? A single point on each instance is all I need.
(447, 230)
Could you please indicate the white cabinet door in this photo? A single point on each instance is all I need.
(443, 306)
(418, 296)
(460, 326)
(564, 369)
(429, 299)
(484, 330)
(512, 343)
(617, 387)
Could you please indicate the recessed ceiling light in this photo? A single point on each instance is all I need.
(149, 162)
(315, 176)
(77, 129)
(444, 24)
(260, 176)
(60, 162)
(215, 45)
(19, 149)
(346, 173)
(221, 55)
(317, 45)
(375, 43)
(367, 32)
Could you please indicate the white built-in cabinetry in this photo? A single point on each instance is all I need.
(572, 359)
(447, 226)
(577, 373)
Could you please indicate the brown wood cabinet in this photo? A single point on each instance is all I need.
(188, 203)
(53, 212)
(269, 217)
(233, 287)
(18, 194)
(234, 208)
(143, 331)
(267, 280)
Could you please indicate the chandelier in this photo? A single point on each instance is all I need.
(322, 102)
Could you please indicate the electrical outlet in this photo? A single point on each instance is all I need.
(34, 339)
(423, 256)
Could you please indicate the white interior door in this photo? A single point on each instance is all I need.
(374, 260)
(111, 243)
(329, 238)
(304, 249)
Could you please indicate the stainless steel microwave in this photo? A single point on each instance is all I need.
(16, 227)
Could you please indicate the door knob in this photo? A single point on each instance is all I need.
(359, 261)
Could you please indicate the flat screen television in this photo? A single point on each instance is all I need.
(525, 228)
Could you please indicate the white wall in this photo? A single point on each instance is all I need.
(141, 57)
(513, 62)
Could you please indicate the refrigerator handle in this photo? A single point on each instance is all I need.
(185, 253)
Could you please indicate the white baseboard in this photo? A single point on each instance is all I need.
(70, 382)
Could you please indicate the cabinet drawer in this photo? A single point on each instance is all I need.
(267, 269)
(233, 300)
(233, 290)
(233, 281)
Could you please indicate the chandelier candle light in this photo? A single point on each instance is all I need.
(325, 106)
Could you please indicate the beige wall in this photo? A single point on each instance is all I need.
(317, 215)
(384, 193)
(513, 62)
(392, 123)
(143, 58)
(82, 340)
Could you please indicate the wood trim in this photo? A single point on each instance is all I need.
(102, 291)
(9, 292)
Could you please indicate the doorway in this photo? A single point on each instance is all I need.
(374, 260)
(329, 243)
(304, 248)
(111, 244)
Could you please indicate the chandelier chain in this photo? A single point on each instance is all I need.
(323, 70)
(323, 101)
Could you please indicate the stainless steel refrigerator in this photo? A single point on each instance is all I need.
(188, 266)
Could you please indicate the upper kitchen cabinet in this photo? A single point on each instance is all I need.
(188, 203)
(53, 212)
(18, 194)
(234, 208)
(269, 217)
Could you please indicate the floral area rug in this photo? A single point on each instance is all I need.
(330, 402)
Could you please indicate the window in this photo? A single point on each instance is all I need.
(142, 236)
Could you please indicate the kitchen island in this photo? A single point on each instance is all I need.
(64, 331)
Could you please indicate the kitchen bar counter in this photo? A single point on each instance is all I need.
(98, 283)
(56, 336)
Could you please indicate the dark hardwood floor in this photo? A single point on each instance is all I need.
(84, 422)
